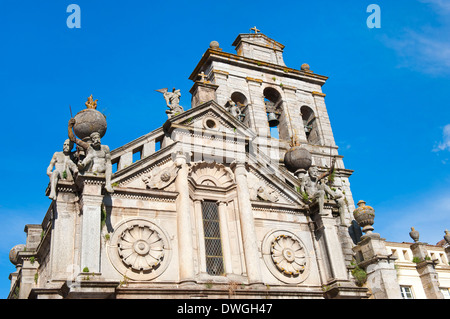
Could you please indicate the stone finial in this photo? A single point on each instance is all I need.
(365, 217)
(305, 67)
(214, 45)
(414, 234)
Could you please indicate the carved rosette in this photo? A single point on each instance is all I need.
(288, 255)
(141, 248)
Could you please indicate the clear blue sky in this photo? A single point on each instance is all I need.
(387, 95)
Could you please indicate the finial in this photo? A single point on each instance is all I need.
(214, 45)
(90, 103)
(414, 234)
(255, 29)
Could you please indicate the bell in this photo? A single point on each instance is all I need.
(273, 120)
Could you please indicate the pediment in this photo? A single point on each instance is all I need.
(210, 118)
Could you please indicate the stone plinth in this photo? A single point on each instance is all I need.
(427, 271)
(91, 206)
(379, 266)
(202, 92)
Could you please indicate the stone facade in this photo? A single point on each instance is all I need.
(213, 213)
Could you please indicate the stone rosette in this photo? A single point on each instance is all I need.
(139, 249)
(285, 256)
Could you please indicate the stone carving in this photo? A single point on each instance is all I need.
(65, 168)
(141, 248)
(288, 255)
(98, 158)
(172, 101)
(315, 188)
(414, 234)
(160, 178)
(260, 191)
(365, 217)
(90, 103)
(234, 110)
(212, 174)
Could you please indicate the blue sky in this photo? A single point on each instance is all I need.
(388, 91)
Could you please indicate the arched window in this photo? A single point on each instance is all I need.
(310, 124)
(272, 101)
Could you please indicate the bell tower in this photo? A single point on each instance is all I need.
(284, 106)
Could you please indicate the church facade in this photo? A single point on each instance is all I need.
(243, 195)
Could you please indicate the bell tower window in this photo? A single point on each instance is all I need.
(310, 124)
(272, 102)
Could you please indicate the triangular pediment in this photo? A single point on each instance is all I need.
(209, 117)
(225, 142)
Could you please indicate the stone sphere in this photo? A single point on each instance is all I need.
(14, 252)
(297, 158)
(89, 121)
(305, 67)
(214, 45)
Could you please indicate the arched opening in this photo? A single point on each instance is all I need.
(310, 124)
(239, 99)
(272, 101)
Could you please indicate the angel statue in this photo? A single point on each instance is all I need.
(172, 101)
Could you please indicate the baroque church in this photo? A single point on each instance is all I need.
(242, 195)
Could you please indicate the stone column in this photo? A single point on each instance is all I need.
(427, 271)
(379, 266)
(252, 260)
(91, 205)
(184, 225)
(65, 215)
(226, 249)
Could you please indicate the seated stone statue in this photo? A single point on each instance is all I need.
(65, 168)
(98, 157)
(313, 185)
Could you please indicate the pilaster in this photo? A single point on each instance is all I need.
(184, 226)
(247, 225)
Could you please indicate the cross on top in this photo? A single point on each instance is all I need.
(255, 29)
(203, 76)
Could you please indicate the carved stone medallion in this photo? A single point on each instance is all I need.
(286, 256)
(139, 249)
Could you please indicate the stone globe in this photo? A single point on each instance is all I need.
(89, 121)
(14, 252)
(297, 159)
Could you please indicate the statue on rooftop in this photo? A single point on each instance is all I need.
(64, 164)
(172, 101)
(98, 156)
(316, 188)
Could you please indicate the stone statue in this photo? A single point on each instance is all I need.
(65, 168)
(313, 185)
(234, 110)
(172, 101)
(98, 157)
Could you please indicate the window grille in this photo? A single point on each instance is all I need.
(213, 245)
(406, 292)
